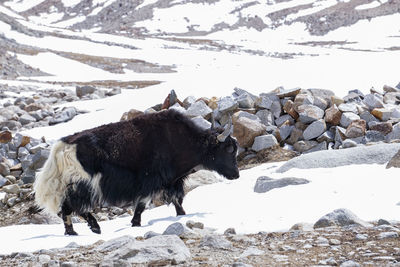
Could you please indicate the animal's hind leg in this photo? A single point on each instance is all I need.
(92, 222)
(66, 212)
(137, 217)
(177, 198)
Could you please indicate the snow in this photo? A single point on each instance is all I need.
(70, 3)
(370, 191)
(373, 4)
(22, 5)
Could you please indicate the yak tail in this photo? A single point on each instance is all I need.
(61, 168)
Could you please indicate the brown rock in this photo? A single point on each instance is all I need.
(25, 140)
(213, 103)
(5, 137)
(130, 114)
(382, 114)
(333, 115)
(245, 130)
(289, 109)
(383, 127)
(336, 100)
(356, 128)
(289, 92)
(302, 99)
(33, 107)
(295, 136)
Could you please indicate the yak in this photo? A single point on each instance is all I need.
(127, 163)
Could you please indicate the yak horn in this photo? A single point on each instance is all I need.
(226, 132)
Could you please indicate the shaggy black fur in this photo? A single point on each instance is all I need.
(150, 154)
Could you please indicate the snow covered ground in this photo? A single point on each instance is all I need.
(370, 191)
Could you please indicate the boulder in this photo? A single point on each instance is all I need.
(289, 92)
(373, 101)
(201, 122)
(215, 242)
(264, 142)
(347, 118)
(340, 217)
(303, 146)
(356, 128)
(245, 101)
(246, 130)
(383, 127)
(394, 161)
(130, 114)
(199, 108)
(65, 115)
(382, 114)
(199, 178)
(314, 130)
(26, 118)
(266, 117)
(84, 90)
(263, 102)
(227, 104)
(5, 137)
(156, 250)
(348, 107)
(265, 184)
(178, 229)
(309, 113)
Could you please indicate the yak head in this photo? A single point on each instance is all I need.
(221, 152)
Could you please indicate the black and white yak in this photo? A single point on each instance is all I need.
(127, 163)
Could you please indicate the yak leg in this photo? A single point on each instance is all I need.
(92, 222)
(177, 199)
(66, 212)
(137, 217)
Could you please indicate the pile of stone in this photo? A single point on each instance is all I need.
(304, 120)
(26, 112)
(21, 157)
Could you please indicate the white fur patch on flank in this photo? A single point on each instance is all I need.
(61, 168)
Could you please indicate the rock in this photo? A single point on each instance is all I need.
(302, 227)
(266, 117)
(377, 154)
(361, 237)
(322, 93)
(302, 99)
(394, 134)
(230, 231)
(264, 142)
(252, 251)
(288, 107)
(199, 108)
(340, 217)
(68, 264)
(192, 224)
(65, 115)
(39, 159)
(265, 184)
(245, 101)
(5, 137)
(246, 130)
(177, 229)
(388, 235)
(227, 104)
(374, 136)
(327, 136)
(84, 90)
(116, 243)
(11, 189)
(201, 122)
(3, 181)
(314, 130)
(347, 118)
(284, 132)
(372, 101)
(391, 98)
(321, 146)
(309, 113)
(240, 114)
(383, 127)
(383, 221)
(356, 128)
(394, 161)
(21, 140)
(348, 107)
(4, 169)
(283, 119)
(199, 178)
(11, 125)
(382, 114)
(263, 102)
(320, 102)
(302, 146)
(133, 113)
(276, 109)
(295, 136)
(215, 241)
(150, 234)
(26, 118)
(188, 101)
(348, 143)
(289, 92)
(350, 263)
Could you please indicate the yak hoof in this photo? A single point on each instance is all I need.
(70, 232)
(135, 224)
(96, 230)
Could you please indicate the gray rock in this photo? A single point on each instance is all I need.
(116, 243)
(387, 235)
(245, 114)
(348, 107)
(289, 92)
(3, 181)
(265, 184)
(394, 134)
(310, 113)
(266, 117)
(26, 118)
(199, 108)
(350, 263)
(252, 251)
(383, 221)
(321, 146)
(327, 136)
(263, 102)
(155, 250)
(192, 224)
(276, 108)
(372, 101)
(285, 131)
(65, 115)
(284, 118)
(314, 130)
(361, 237)
(241, 264)
(227, 104)
(368, 117)
(68, 264)
(4, 169)
(347, 118)
(320, 102)
(201, 122)
(340, 217)
(199, 178)
(188, 101)
(150, 234)
(23, 152)
(303, 146)
(215, 241)
(264, 142)
(245, 101)
(84, 90)
(177, 229)
(39, 159)
(12, 189)
(230, 231)
(377, 154)
(348, 143)
(373, 136)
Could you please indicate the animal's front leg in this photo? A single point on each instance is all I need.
(178, 206)
(137, 217)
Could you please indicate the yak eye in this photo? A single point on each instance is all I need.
(230, 149)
